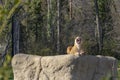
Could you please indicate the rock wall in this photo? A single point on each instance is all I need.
(63, 67)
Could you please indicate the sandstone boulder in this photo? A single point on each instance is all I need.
(63, 67)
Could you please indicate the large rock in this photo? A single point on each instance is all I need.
(63, 67)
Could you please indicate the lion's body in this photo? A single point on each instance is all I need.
(76, 49)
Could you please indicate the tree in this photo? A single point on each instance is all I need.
(49, 4)
(70, 5)
(107, 24)
(98, 31)
(8, 17)
(8, 13)
(15, 34)
(58, 26)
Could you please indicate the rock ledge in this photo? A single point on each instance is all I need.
(63, 67)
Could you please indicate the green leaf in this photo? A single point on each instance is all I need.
(10, 13)
(16, 1)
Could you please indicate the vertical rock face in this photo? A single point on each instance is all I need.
(26, 67)
(63, 67)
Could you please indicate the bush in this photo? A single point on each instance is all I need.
(6, 72)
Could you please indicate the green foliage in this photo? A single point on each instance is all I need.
(108, 77)
(6, 12)
(32, 27)
(118, 74)
(106, 23)
(90, 47)
(46, 52)
(38, 33)
(6, 72)
(118, 69)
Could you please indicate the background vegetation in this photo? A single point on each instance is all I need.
(47, 27)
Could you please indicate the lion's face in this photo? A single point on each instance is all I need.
(78, 40)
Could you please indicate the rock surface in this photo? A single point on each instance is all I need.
(63, 67)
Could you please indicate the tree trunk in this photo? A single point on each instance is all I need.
(15, 35)
(98, 32)
(49, 18)
(36, 33)
(1, 2)
(70, 5)
(58, 26)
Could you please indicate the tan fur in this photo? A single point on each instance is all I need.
(76, 49)
(69, 49)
